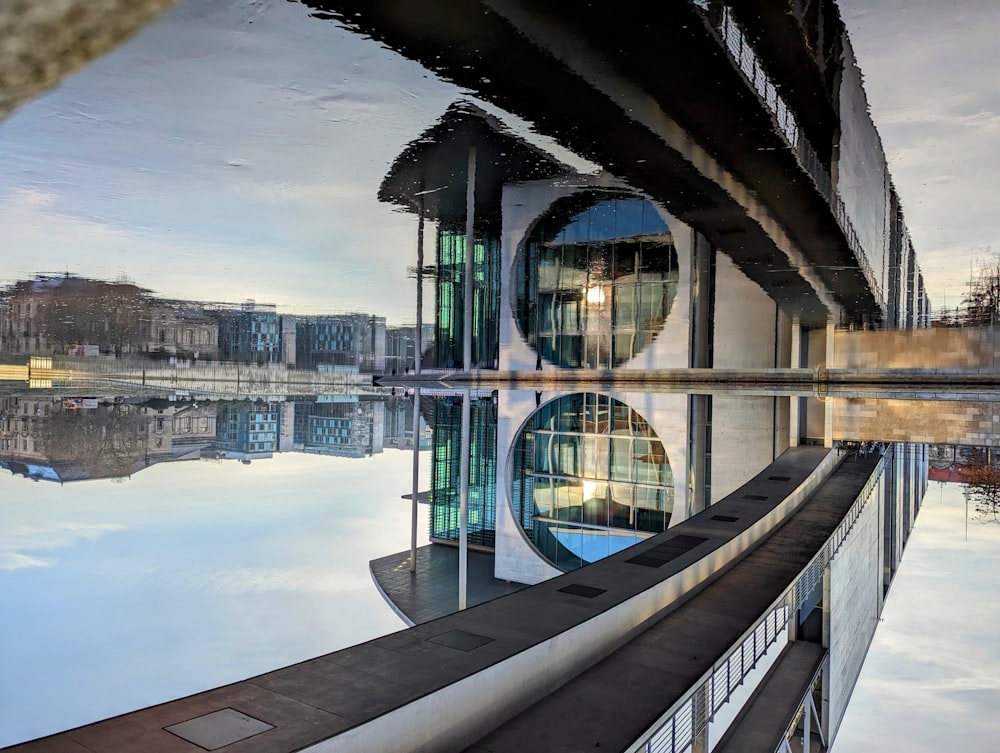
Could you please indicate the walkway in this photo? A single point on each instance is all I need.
(614, 702)
(388, 694)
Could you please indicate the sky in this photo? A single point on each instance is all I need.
(930, 682)
(931, 73)
(187, 576)
(232, 150)
(229, 151)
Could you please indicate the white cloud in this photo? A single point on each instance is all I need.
(929, 70)
(18, 561)
(20, 545)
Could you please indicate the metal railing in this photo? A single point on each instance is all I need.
(807, 714)
(746, 59)
(683, 722)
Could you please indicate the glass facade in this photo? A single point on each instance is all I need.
(446, 471)
(595, 280)
(249, 336)
(589, 479)
(450, 305)
(248, 428)
(344, 429)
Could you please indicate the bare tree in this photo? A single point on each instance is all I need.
(982, 301)
(983, 486)
(106, 442)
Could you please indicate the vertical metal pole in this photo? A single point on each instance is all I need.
(470, 220)
(418, 343)
(463, 509)
(416, 477)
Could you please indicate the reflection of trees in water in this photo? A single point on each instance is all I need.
(982, 486)
(103, 443)
(104, 314)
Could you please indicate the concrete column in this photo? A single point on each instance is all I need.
(700, 357)
(463, 510)
(470, 224)
(699, 411)
(702, 303)
(795, 408)
(831, 331)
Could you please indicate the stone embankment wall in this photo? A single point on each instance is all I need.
(919, 421)
(974, 349)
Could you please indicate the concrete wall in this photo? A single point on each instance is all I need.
(747, 328)
(855, 604)
(516, 559)
(743, 440)
(522, 205)
(861, 170)
(973, 348)
(745, 320)
(921, 421)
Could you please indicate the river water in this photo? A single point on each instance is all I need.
(232, 152)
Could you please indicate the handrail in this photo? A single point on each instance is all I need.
(734, 40)
(688, 717)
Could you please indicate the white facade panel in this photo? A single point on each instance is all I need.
(523, 204)
(516, 559)
(855, 604)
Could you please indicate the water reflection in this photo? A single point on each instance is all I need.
(654, 235)
(78, 438)
(590, 478)
(556, 480)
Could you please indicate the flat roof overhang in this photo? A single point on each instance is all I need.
(649, 93)
(429, 176)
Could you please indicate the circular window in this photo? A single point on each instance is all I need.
(589, 479)
(595, 280)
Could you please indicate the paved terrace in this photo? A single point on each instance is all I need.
(424, 689)
(432, 591)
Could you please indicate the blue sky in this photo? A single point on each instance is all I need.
(229, 151)
(185, 577)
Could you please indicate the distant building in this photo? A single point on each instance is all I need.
(181, 328)
(72, 439)
(399, 425)
(247, 431)
(288, 328)
(341, 340)
(250, 333)
(346, 428)
(401, 347)
(60, 314)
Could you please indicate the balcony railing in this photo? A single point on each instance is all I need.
(735, 41)
(688, 718)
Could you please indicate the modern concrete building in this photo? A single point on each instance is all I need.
(249, 333)
(345, 426)
(350, 341)
(247, 431)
